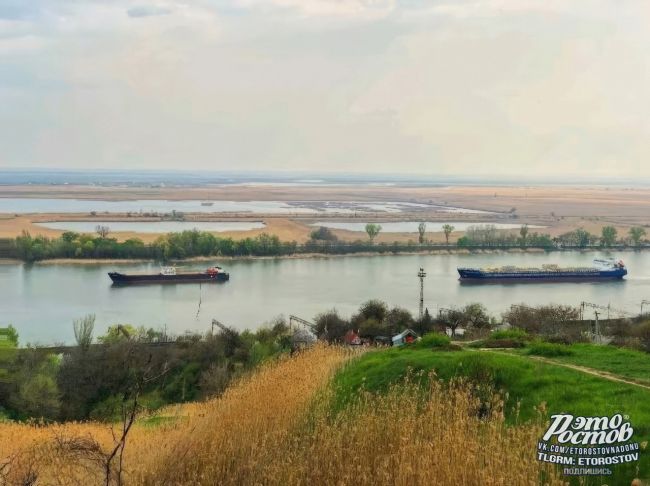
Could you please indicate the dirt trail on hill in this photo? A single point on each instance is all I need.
(606, 375)
(599, 373)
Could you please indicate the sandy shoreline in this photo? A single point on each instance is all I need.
(299, 256)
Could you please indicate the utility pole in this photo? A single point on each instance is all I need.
(643, 302)
(421, 275)
(596, 328)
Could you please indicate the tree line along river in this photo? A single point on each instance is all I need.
(41, 300)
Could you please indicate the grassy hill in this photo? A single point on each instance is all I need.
(334, 416)
(524, 383)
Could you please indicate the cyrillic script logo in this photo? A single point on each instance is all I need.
(588, 444)
(588, 430)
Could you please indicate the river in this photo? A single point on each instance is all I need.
(42, 300)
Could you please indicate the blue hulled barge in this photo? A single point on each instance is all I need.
(603, 270)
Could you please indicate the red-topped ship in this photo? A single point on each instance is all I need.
(170, 275)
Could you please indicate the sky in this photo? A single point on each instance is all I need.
(450, 87)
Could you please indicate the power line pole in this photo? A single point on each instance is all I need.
(596, 328)
(643, 302)
(421, 275)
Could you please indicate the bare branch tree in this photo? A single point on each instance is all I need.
(111, 462)
(102, 230)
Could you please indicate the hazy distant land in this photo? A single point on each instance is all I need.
(558, 208)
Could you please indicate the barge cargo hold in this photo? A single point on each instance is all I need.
(605, 270)
(169, 275)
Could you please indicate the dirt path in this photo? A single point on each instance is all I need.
(590, 371)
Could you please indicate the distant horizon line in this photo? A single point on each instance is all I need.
(84, 176)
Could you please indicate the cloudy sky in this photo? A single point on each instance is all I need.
(450, 87)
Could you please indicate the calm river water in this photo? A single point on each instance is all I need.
(42, 300)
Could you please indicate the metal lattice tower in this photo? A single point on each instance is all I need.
(421, 275)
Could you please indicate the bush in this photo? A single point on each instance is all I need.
(540, 348)
(642, 332)
(513, 333)
(434, 340)
(503, 343)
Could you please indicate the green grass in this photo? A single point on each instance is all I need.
(619, 361)
(526, 381)
(549, 350)
(158, 420)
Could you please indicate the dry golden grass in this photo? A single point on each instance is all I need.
(276, 427)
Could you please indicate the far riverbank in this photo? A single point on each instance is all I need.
(307, 256)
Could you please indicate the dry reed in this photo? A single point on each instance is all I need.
(276, 427)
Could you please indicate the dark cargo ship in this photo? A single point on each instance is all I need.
(605, 270)
(169, 275)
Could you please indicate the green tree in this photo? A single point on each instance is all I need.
(373, 309)
(331, 326)
(422, 228)
(448, 230)
(452, 319)
(398, 319)
(69, 236)
(37, 393)
(324, 234)
(636, 234)
(424, 325)
(38, 396)
(24, 244)
(88, 249)
(373, 230)
(476, 316)
(583, 237)
(523, 232)
(608, 236)
(10, 335)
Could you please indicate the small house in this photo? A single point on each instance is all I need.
(352, 338)
(407, 336)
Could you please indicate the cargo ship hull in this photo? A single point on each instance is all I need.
(481, 276)
(123, 279)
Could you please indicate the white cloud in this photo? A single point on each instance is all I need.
(447, 87)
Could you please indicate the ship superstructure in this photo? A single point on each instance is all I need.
(602, 270)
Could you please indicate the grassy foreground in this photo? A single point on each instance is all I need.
(524, 382)
(278, 427)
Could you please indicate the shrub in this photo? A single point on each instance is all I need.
(540, 348)
(502, 343)
(434, 340)
(512, 333)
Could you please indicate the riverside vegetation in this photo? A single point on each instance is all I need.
(188, 244)
(277, 426)
(434, 412)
